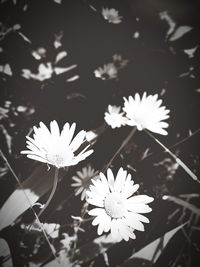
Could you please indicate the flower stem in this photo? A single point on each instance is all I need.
(76, 229)
(183, 203)
(178, 160)
(120, 148)
(55, 182)
(53, 251)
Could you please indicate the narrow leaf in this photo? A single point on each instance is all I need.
(60, 56)
(179, 32)
(152, 251)
(39, 183)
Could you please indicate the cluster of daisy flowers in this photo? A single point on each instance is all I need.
(143, 112)
(118, 209)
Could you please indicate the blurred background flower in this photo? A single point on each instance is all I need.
(114, 117)
(111, 15)
(83, 179)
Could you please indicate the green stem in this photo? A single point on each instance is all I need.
(55, 182)
(178, 160)
(124, 143)
(31, 206)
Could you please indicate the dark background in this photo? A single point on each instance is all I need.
(155, 64)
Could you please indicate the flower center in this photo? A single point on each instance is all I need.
(114, 204)
(60, 159)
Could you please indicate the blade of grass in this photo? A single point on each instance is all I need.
(31, 206)
(178, 160)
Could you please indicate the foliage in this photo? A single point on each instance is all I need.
(74, 61)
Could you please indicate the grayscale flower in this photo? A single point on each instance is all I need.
(146, 112)
(55, 148)
(110, 70)
(114, 117)
(116, 209)
(107, 72)
(111, 15)
(82, 180)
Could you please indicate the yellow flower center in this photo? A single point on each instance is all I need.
(114, 205)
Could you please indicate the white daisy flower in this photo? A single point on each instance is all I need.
(114, 118)
(110, 70)
(83, 180)
(146, 113)
(107, 72)
(116, 210)
(111, 15)
(55, 148)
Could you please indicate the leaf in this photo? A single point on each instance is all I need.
(92, 249)
(190, 52)
(72, 79)
(39, 183)
(26, 39)
(172, 25)
(183, 203)
(60, 56)
(6, 69)
(179, 32)
(58, 1)
(16, 27)
(3, 113)
(8, 138)
(152, 251)
(75, 95)
(5, 254)
(52, 229)
(59, 70)
(58, 38)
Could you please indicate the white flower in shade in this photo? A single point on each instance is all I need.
(55, 147)
(110, 70)
(107, 72)
(83, 180)
(111, 15)
(146, 113)
(114, 117)
(116, 209)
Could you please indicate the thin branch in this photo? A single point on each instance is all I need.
(178, 160)
(183, 203)
(124, 143)
(185, 139)
(178, 143)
